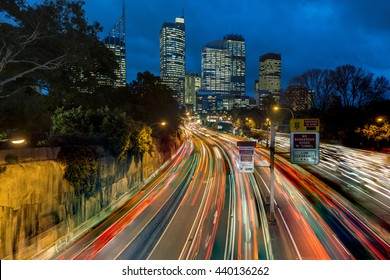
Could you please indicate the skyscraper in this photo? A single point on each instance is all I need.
(236, 46)
(116, 41)
(269, 79)
(173, 56)
(192, 86)
(224, 66)
(269, 73)
(216, 68)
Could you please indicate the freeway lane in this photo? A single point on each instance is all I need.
(300, 240)
(182, 239)
(358, 229)
(363, 177)
(349, 226)
(246, 234)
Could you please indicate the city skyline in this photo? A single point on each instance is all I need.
(308, 34)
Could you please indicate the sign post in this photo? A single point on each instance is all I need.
(305, 141)
(272, 173)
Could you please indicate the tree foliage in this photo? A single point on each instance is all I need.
(320, 84)
(81, 168)
(50, 45)
(379, 135)
(115, 130)
(154, 101)
(354, 87)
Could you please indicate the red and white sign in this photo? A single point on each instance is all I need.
(304, 141)
(246, 156)
(305, 147)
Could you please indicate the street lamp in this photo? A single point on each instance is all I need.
(18, 141)
(280, 108)
(160, 123)
(267, 123)
(380, 119)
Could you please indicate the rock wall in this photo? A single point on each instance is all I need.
(40, 213)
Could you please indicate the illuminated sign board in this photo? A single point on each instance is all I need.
(305, 147)
(246, 156)
(304, 125)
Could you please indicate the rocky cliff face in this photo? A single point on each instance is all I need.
(39, 210)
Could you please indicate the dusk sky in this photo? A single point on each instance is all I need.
(307, 33)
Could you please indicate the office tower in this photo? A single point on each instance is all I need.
(192, 86)
(223, 66)
(236, 46)
(216, 68)
(269, 78)
(173, 57)
(298, 98)
(116, 42)
(269, 73)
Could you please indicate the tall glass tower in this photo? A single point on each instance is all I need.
(269, 73)
(173, 57)
(216, 68)
(116, 42)
(236, 46)
(224, 66)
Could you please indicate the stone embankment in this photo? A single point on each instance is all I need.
(39, 211)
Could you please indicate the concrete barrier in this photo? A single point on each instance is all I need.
(30, 154)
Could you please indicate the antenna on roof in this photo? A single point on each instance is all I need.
(182, 12)
(124, 10)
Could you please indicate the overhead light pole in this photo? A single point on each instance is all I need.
(272, 165)
(287, 109)
(157, 123)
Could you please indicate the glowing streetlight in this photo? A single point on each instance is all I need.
(18, 141)
(158, 123)
(280, 108)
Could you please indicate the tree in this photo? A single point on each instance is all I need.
(378, 135)
(52, 46)
(320, 84)
(357, 87)
(153, 101)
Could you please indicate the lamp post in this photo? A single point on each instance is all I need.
(272, 165)
(281, 108)
(272, 174)
(160, 123)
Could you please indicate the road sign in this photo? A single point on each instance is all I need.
(305, 147)
(304, 125)
(246, 144)
(304, 141)
(246, 156)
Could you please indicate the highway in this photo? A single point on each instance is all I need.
(201, 207)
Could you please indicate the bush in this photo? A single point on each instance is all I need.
(3, 169)
(81, 168)
(11, 159)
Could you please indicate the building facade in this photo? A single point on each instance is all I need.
(298, 98)
(216, 68)
(224, 66)
(173, 57)
(236, 46)
(269, 78)
(116, 42)
(210, 103)
(192, 86)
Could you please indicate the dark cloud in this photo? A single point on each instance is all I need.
(307, 33)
